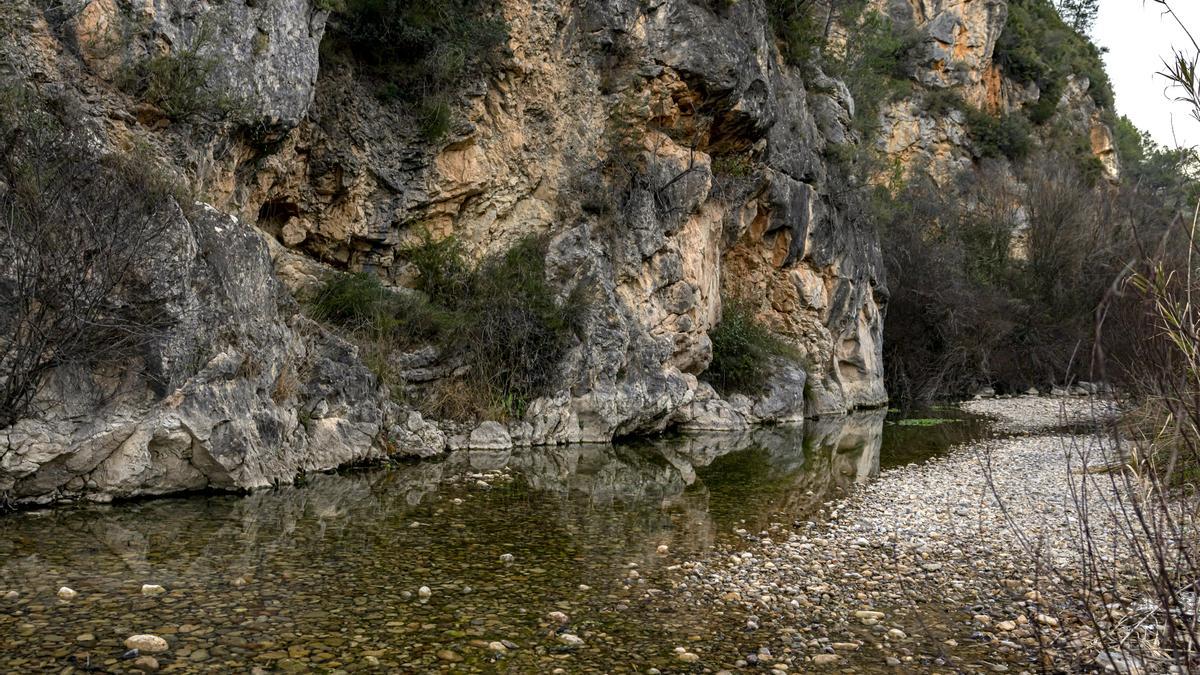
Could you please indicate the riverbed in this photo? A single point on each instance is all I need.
(582, 558)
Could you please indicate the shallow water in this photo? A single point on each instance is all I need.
(324, 576)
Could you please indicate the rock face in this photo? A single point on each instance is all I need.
(306, 171)
(256, 392)
(261, 55)
(957, 52)
(687, 93)
(958, 40)
(665, 150)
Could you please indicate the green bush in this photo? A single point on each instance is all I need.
(417, 50)
(517, 330)
(434, 117)
(941, 102)
(799, 28)
(444, 273)
(361, 304)
(1131, 142)
(353, 301)
(742, 351)
(1169, 174)
(735, 165)
(1037, 47)
(1006, 136)
(501, 320)
(434, 39)
(178, 83)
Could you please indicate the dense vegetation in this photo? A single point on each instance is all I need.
(501, 327)
(419, 52)
(999, 282)
(1038, 47)
(1148, 342)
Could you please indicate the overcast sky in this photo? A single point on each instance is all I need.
(1138, 37)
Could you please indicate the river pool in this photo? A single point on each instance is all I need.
(325, 575)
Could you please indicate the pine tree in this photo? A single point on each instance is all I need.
(1078, 14)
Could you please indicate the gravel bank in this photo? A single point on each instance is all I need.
(919, 570)
(1040, 413)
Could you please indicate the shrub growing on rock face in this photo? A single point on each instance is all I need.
(1006, 136)
(871, 54)
(356, 301)
(444, 273)
(942, 102)
(742, 351)
(1037, 46)
(799, 27)
(418, 50)
(500, 321)
(876, 64)
(517, 330)
(178, 83)
(361, 304)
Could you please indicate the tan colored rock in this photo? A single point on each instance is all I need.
(146, 664)
(146, 643)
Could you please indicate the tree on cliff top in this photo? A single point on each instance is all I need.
(1080, 15)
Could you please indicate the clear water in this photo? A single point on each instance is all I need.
(324, 576)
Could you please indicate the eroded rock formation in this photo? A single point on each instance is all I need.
(958, 43)
(303, 170)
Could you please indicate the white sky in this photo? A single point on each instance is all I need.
(1138, 38)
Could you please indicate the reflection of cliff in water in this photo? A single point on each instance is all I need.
(683, 490)
(781, 474)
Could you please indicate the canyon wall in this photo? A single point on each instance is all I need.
(665, 150)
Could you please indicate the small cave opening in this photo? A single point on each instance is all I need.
(274, 214)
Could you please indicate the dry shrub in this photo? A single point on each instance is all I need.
(983, 296)
(287, 385)
(77, 233)
(1127, 591)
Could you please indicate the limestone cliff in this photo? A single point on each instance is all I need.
(682, 84)
(957, 53)
(303, 170)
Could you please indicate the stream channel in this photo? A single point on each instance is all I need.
(325, 575)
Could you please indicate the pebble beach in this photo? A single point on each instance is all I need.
(929, 568)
